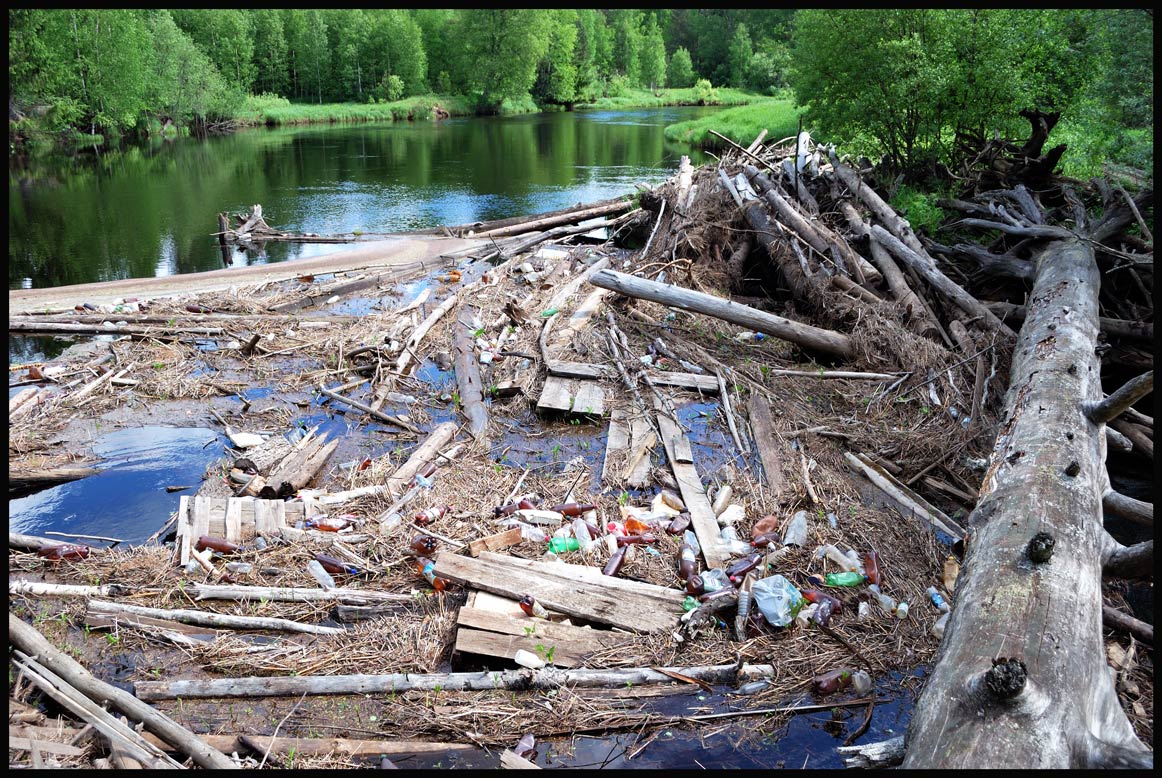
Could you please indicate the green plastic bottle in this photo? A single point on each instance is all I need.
(557, 545)
(846, 578)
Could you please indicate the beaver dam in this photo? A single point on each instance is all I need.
(739, 449)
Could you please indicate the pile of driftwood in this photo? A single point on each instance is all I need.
(833, 293)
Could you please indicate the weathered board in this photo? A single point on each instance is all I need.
(693, 492)
(767, 441)
(237, 519)
(495, 542)
(605, 602)
(579, 397)
(616, 444)
(501, 635)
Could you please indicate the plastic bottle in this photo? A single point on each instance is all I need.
(765, 539)
(513, 507)
(428, 515)
(526, 747)
(766, 524)
(613, 566)
(861, 682)
(581, 532)
(424, 545)
(744, 603)
(687, 562)
(635, 540)
(854, 561)
(902, 610)
(731, 515)
(69, 552)
(884, 601)
(320, 574)
(636, 526)
(795, 533)
(392, 521)
(721, 499)
(951, 571)
(871, 567)
(835, 555)
(803, 617)
(528, 659)
(218, 544)
(844, 579)
(832, 681)
(673, 500)
(423, 476)
(557, 545)
(336, 566)
(937, 600)
(427, 568)
(743, 566)
(327, 523)
(572, 509)
(864, 611)
(533, 608)
(691, 540)
(680, 524)
(754, 687)
(715, 579)
(695, 585)
(941, 623)
(241, 568)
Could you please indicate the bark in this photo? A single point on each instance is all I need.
(1118, 504)
(425, 453)
(827, 341)
(468, 375)
(1019, 679)
(520, 679)
(1136, 561)
(27, 639)
(23, 479)
(212, 620)
(1113, 406)
(1115, 619)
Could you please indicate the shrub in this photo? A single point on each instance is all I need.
(705, 93)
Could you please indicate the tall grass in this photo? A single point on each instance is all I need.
(272, 110)
(644, 98)
(778, 117)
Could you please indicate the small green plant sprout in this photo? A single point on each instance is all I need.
(623, 498)
(547, 653)
(530, 631)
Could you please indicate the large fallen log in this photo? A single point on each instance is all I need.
(1021, 677)
(827, 341)
(468, 381)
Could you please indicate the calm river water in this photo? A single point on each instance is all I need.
(150, 210)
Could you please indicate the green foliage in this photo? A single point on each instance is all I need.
(504, 47)
(738, 56)
(919, 209)
(653, 55)
(681, 70)
(705, 93)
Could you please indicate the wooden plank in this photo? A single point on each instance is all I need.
(563, 369)
(767, 440)
(278, 517)
(266, 517)
(642, 440)
(183, 525)
(200, 524)
(602, 602)
(616, 442)
(495, 542)
(510, 761)
(692, 381)
(216, 524)
(693, 493)
(234, 520)
(103, 621)
(556, 395)
(475, 641)
(665, 596)
(589, 399)
(293, 513)
(570, 641)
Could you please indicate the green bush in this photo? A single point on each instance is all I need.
(706, 94)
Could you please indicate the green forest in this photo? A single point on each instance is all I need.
(909, 86)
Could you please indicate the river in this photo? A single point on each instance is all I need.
(150, 210)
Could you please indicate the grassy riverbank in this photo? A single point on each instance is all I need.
(267, 110)
(742, 124)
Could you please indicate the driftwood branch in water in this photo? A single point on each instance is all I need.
(468, 379)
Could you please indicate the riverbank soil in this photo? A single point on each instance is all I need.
(743, 380)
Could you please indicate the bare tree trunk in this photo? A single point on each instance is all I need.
(1021, 679)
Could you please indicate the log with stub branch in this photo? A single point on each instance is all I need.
(815, 338)
(1132, 330)
(1023, 649)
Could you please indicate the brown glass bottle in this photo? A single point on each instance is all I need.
(531, 607)
(513, 507)
(764, 540)
(425, 567)
(743, 566)
(218, 544)
(615, 562)
(573, 509)
(335, 566)
(68, 552)
(424, 545)
(832, 681)
(687, 562)
(679, 525)
(428, 515)
(871, 567)
(695, 585)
